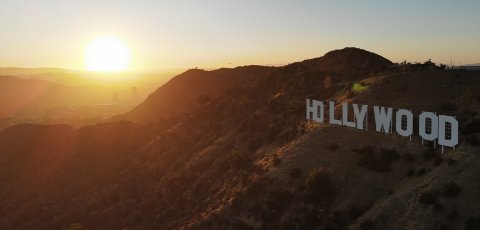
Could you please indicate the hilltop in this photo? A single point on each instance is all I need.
(231, 149)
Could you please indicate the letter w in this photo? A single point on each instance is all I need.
(383, 119)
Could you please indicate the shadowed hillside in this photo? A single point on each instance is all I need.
(231, 149)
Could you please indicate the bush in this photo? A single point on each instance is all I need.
(451, 161)
(448, 106)
(278, 200)
(429, 154)
(295, 173)
(472, 127)
(238, 160)
(319, 187)
(451, 190)
(472, 223)
(453, 215)
(367, 225)
(407, 157)
(276, 161)
(333, 147)
(364, 150)
(421, 172)
(75, 226)
(380, 162)
(410, 172)
(473, 140)
(437, 161)
(429, 197)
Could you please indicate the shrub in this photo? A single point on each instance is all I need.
(238, 160)
(278, 200)
(437, 161)
(295, 173)
(380, 162)
(429, 154)
(276, 161)
(421, 172)
(254, 145)
(367, 225)
(472, 127)
(438, 207)
(448, 106)
(451, 190)
(391, 153)
(75, 226)
(473, 140)
(451, 161)
(453, 215)
(366, 150)
(319, 187)
(333, 147)
(410, 172)
(472, 223)
(428, 197)
(407, 157)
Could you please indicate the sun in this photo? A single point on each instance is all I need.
(107, 54)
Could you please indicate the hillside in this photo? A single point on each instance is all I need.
(231, 149)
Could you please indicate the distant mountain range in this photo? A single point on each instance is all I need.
(231, 149)
(48, 95)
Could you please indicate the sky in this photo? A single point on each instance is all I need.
(211, 34)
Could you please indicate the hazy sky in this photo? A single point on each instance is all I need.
(167, 34)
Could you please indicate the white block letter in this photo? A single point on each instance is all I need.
(442, 120)
(422, 126)
(398, 125)
(346, 122)
(382, 119)
(360, 115)
(331, 111)
(315, 110)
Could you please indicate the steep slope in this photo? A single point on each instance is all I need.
(182, 93)
(246, 158)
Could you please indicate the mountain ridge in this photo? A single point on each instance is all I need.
(351, 63)
(246, 158)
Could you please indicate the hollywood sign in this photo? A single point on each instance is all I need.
(442, 129)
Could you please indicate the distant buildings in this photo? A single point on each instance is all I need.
(133, 91)
(115, 99)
